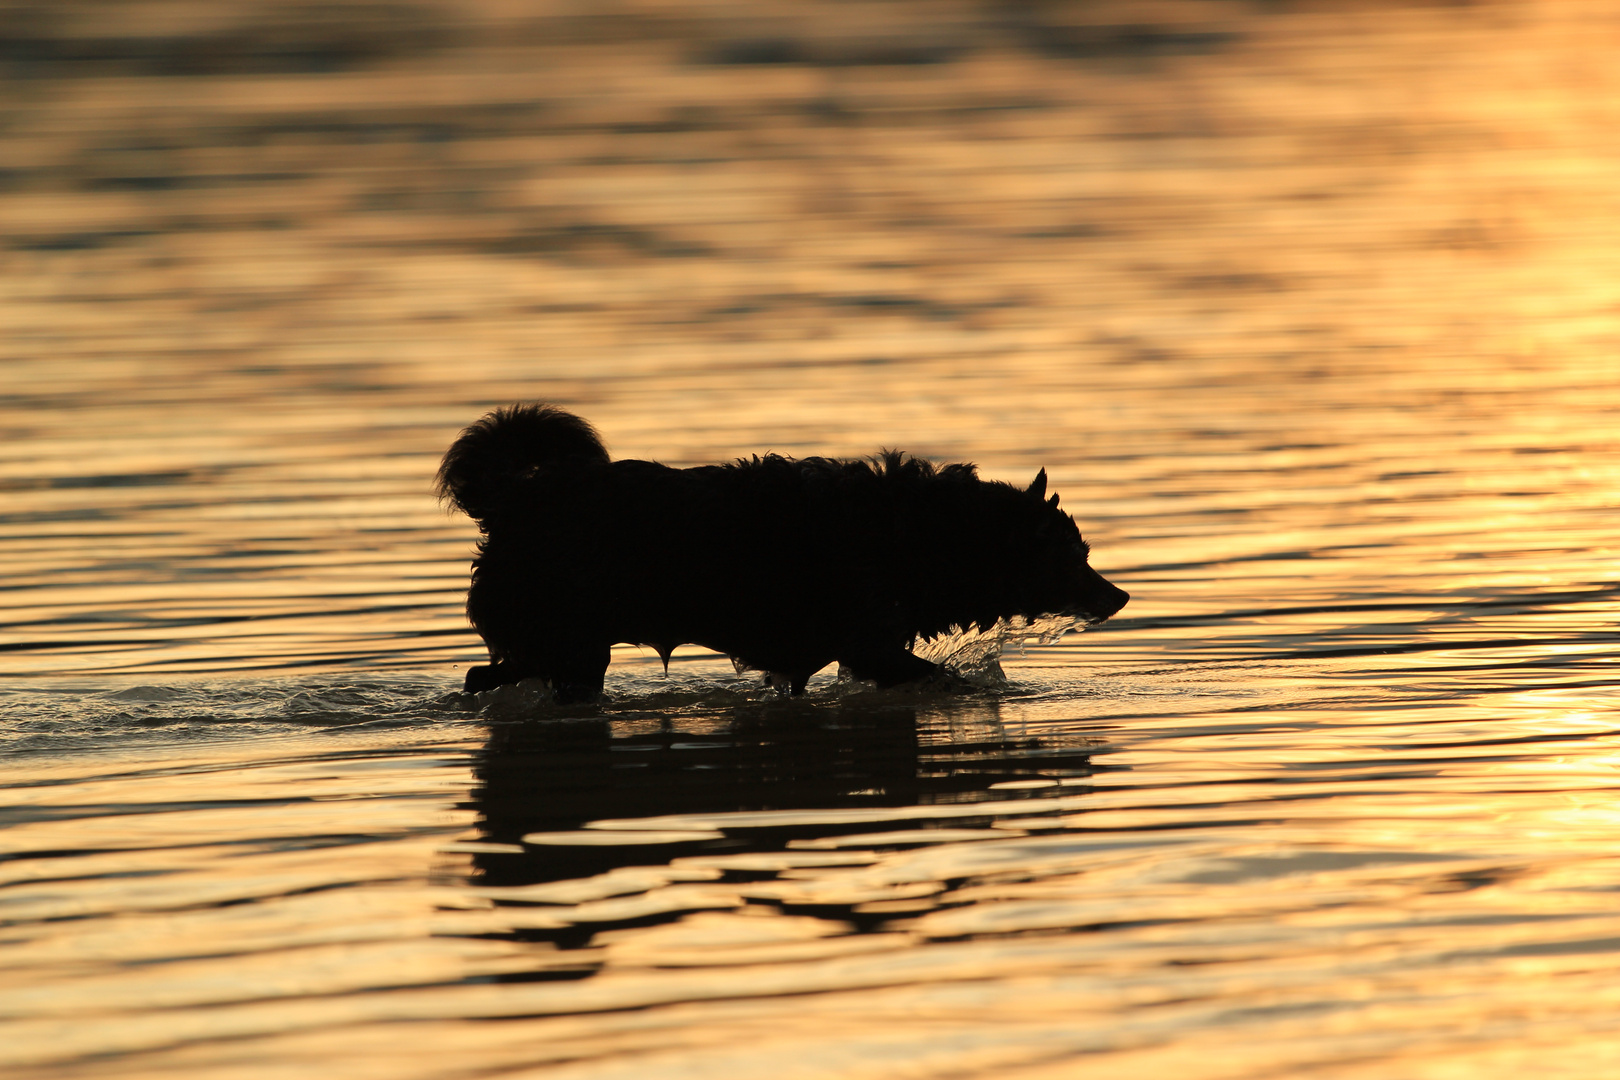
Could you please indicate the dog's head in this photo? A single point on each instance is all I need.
(1056, 577)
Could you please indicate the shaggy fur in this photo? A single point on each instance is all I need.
(785, 565)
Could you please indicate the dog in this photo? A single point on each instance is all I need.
(785, 565)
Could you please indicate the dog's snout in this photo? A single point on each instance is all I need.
(1117, 598)
(1102, 598)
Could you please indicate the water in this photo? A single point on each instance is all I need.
(1308, 311)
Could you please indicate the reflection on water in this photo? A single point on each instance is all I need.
(1308, 309)
(702, 876)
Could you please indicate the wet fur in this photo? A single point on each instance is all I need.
(786, 565)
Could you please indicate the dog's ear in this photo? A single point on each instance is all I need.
(1052, 502)
(1037, 486)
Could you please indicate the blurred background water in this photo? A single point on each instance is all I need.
(1308, 308)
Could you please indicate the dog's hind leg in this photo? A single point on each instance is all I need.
(489, 676)
(576, 670)
(887, 667)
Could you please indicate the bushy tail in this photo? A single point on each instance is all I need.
(490, 458)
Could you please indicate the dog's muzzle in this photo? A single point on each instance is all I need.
(1101, 598)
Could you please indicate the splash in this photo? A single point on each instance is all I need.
(975, 654)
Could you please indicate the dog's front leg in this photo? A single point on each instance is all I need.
(887, 666)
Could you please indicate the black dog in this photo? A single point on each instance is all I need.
(785, 565)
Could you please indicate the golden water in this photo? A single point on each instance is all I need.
(1309, 310)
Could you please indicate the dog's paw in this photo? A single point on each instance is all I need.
(524, 695)
(943, 681)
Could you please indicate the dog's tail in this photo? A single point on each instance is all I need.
(492, 457)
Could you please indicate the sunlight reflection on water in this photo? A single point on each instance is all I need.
(1309, 312)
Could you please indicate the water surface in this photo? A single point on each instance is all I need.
(1309, 310)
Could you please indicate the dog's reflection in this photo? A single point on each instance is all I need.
(554, 774)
